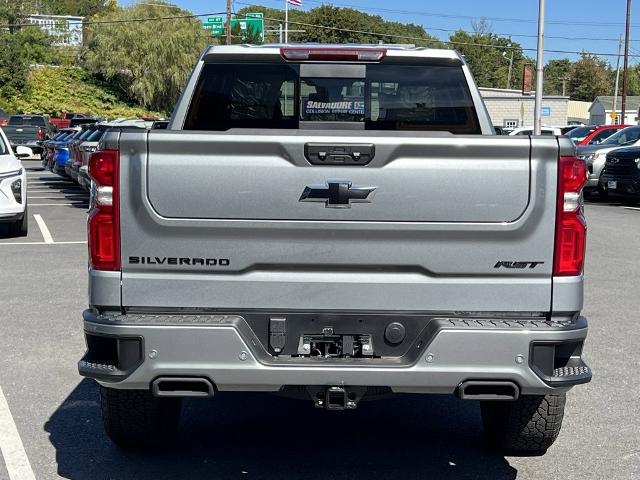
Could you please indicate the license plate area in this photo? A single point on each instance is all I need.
(330, 345)
(612, 184)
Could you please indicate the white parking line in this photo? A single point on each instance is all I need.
(15, 457)
(43, 243)
(46, 234)
(632, 208)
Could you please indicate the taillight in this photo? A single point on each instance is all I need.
(333, 54)
(103, 224)
(40, 133)
(571, 227)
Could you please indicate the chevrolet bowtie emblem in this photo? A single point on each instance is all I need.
(337, 194)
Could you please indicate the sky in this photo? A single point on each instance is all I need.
(586, 25)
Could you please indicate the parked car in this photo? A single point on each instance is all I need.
(13, 187)
(27, 130)
(75, 156)
(90, 145)
(48, 146)
(621, 175)
(593, 134)
(61, 153)
(64, 121)
(4, 118)
(265, 262)
(529, 131)
(595, 155)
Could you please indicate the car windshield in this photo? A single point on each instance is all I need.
(626, 136)
(580, 133)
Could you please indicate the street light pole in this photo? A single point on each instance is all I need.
(626, 65)
(537, 117)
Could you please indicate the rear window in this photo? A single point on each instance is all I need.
(388, 97)
(33, 121)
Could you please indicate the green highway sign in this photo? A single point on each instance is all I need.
(216, 25)
(252, 23)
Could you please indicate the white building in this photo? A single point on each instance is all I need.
(602, 108)
(512, 109)
(65, 30)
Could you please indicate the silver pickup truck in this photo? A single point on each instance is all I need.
(335, 222)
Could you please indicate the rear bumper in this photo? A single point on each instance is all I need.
(225, 350)
(625, 186)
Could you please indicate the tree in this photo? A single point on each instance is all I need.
(20, 46)
(329, 24)
(488, 56)
(556, 77)
(589, 78)
(148, 61)
(82, 8)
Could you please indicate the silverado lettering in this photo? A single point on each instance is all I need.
(192, 261)
(503, 264)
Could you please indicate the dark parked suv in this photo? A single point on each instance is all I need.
(621, 175)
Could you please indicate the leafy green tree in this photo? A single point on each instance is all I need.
(489, 56)
(83, 8)
(329, 24)
(13, 13)
(20, 46)
(556, 76)
(590, 77)
(149, 61)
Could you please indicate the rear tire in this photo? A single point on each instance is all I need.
(137, 419)
(602, 193)
(21, 227)
(528, 426)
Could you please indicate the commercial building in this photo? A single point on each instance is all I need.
(602, 109)
(65, 30)
(512, 109)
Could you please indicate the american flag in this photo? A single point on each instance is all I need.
(297, 3)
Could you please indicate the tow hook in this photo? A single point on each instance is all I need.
(336, 398)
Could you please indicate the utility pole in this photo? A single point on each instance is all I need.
(537, 117)
(510, 70)
(615, 93)
(626, 65)
(227, 27)
(286, 21)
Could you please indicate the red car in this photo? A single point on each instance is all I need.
(593, 134)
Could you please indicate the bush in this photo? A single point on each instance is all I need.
(52, 90)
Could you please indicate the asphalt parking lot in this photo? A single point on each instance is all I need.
(50, 423)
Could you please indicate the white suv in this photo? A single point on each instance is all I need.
(13, 187)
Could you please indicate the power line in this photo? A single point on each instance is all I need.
(446, 42)
(437, 29)
(469, 17)
(130, 20)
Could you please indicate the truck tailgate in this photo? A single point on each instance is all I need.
(215, 221)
